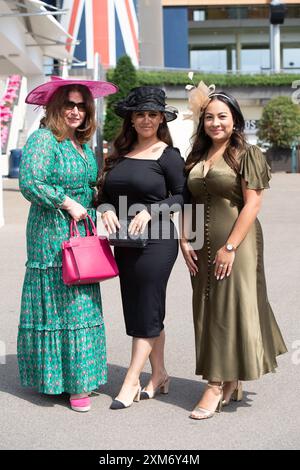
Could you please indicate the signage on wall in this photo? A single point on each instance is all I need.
(251, 126)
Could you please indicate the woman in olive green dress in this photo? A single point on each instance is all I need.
(236, 334)
(61, 340)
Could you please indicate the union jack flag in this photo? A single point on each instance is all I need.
(109, 27)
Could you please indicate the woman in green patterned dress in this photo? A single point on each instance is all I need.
(236, 335)
(61, 339)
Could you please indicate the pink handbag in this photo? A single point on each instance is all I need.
(88, 259)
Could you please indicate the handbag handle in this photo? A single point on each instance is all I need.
(74, 228)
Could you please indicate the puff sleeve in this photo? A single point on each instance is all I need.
(254, 168)
(36, 170)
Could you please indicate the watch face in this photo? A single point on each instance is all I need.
(229, 247)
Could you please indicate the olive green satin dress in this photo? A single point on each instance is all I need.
(236, 334)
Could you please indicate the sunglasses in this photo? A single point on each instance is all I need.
(69, 105)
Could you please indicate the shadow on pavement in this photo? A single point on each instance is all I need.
(183, 393)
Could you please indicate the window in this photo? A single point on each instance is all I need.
(291, 58)
(198, 15)
(253, 60)
(209, 60)
(293, 11)
(235, 12)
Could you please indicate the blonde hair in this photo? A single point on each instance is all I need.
(54, 118)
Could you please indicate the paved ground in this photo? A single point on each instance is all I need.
(268, 418)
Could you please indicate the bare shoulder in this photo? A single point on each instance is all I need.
(153, 152)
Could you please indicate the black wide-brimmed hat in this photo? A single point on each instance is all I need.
(145, 98)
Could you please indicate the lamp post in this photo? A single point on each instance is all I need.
(277, 14)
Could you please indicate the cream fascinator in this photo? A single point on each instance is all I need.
(199, 97)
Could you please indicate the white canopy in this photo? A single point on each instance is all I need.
(28, 31)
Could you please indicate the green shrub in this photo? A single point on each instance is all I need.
(165, 78)
(280, 122)
(124, 76)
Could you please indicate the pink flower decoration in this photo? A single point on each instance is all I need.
(6, 105)
(15, 78)
(4, 112)
(9, 100)
(11, 94)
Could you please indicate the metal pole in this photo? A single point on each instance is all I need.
(40, 13)
(271, 48)
(98, 139)
(95, 77)
(275, 59)
(238, 49)
(276, 39)
(65, 71)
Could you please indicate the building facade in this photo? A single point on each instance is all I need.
(221, 36)
(210, 35)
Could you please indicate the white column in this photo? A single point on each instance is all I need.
(33, 113)
(275, 61)
(89, 33)
(151, 40)
(271, 48)
(238, 49)
(276, 38)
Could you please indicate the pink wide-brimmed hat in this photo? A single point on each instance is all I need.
(42, 94)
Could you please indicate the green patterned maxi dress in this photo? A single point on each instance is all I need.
(61, 340)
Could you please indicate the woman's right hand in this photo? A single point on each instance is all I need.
(189, 256)
(76, 210)
(110, 221)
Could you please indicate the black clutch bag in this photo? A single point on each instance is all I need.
(124, 239)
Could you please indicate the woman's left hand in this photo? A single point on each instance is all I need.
(139, 222)
(223, 263)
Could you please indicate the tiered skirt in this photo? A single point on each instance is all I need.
(61, 339)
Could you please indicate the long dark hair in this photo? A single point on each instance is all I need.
(122, 145)
(237, 142)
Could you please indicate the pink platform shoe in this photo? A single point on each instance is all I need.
(80, 404)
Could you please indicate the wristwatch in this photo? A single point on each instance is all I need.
(230, 248)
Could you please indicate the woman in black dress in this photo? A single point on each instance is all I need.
(145, 168)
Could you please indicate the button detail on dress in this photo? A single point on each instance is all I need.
(206, 231)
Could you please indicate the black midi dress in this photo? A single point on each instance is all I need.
(144, 272)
